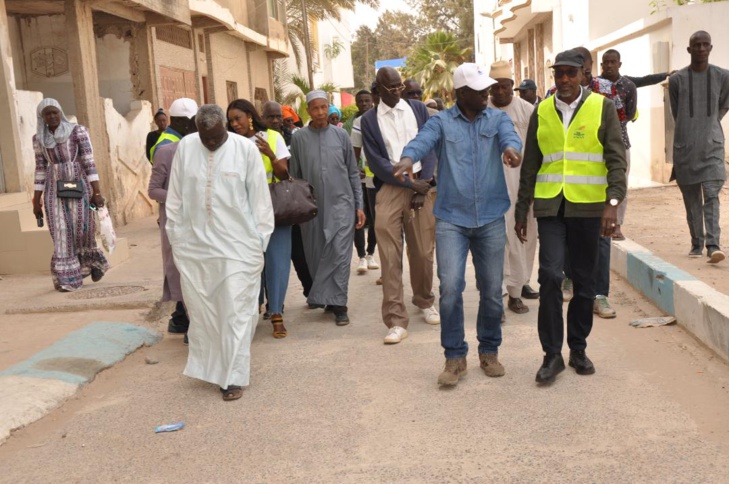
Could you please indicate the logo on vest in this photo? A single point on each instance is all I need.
(580, 132)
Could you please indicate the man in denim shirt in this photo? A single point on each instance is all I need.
(470, 141)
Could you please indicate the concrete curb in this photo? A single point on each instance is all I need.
(34, 387)
(698, 307)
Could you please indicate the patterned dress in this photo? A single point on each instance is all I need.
(70, 221)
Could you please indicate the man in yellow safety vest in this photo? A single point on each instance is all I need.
(182, 114)
(574, 170)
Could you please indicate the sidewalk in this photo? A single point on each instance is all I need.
(654, 260)
(54, 343)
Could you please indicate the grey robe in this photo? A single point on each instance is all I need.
(698, 144)
(158, 183)
(324, 157)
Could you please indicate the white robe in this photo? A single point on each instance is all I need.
(519, 258)
(219, 221)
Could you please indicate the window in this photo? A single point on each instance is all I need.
(201, 43)
(232, 89)
(273, 8)
(314, 41)
(260, 98)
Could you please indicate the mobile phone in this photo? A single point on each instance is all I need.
(39, 218)
(262, 135)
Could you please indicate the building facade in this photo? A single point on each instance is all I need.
(111, 64)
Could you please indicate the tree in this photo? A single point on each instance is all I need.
(333, 50)
(433, 62)
(365, 50)
(450, 16)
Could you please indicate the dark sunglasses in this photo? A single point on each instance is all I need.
(571, 72)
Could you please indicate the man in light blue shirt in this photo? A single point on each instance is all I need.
(470, 141)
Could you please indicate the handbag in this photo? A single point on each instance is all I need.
(293, 201)
(69, 189)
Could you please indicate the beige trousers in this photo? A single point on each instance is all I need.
(394, 218)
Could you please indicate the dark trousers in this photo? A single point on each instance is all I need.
(359, 234)
(580, 236)
(602, 267)
(702, 210)
(299, 259)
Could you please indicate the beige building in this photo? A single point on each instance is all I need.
(112, 64)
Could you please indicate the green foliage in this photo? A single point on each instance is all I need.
(657, 5)
(332, 51)
(433, 62)
(348, 112)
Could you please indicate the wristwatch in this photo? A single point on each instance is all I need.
(614, 202)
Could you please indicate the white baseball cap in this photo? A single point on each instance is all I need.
(183, 108)
(473, 76)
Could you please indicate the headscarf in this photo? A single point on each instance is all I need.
(333, 109)
(63, 131)
(288, 112)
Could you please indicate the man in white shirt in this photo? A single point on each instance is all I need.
(401, 207)
(519, 258)
(219, 221)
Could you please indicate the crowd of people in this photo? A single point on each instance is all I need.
(489, 175)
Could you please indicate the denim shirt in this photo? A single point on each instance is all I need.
(471, 185)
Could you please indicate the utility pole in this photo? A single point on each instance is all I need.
(307, 44)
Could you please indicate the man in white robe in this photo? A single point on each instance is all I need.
(519, 258)
(219, 220)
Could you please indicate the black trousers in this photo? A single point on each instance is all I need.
(299, 259)
(359, 234)
(580, 236)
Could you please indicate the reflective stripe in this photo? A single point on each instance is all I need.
(572, 156)
(585, 180)
(549, 178)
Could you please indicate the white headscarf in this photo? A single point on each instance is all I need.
(63, 131)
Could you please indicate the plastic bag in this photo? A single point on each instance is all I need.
(106, 229)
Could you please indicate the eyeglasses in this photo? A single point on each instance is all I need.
(414, 93)
(571, 72)
(393, 90)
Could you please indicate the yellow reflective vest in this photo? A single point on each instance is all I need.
(267, 163)
(164, 136)
(573, 159)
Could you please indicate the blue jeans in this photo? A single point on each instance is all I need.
(487, 244)
(275, 277)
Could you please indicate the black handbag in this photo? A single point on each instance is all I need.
(293, 201)
(69, 189)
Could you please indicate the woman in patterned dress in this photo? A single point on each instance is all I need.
(63, 152)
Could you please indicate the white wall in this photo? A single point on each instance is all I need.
(27, 124)
(338, 70)
(230, 63)
(607, 17)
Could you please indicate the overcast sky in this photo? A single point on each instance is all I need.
(369, 16)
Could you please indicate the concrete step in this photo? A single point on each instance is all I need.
(26, 248)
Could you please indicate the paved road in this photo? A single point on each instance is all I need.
(331, 404)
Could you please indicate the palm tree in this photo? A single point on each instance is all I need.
(316, 10)
(433, 62)
(297, 97)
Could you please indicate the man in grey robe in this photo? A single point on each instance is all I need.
(699, 97)
(322, 155)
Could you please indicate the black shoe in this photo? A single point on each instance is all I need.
(695, 251)
(551, 367)
(185, 341)
(316, 306)
(96, 274)
(581, 363)
(341, 318)
(528, 293)
(267, 315)
(175, 327)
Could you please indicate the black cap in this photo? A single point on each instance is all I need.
(527, 84)
(572, 58)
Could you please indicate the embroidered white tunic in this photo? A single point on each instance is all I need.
(219, 220)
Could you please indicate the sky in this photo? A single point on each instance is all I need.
(369, 16)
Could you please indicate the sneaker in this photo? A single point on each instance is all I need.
(455, 369)
(490, 364)
(362, 266)
(567, 290)
(715, 256)
(695, 252)
(395, 335)
(371, 262)
(432, 316)
(602, 308)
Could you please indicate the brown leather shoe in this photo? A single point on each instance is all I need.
(455, 369)
(516, 305)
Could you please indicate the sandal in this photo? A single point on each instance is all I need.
(279, 330)
(233, 392)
